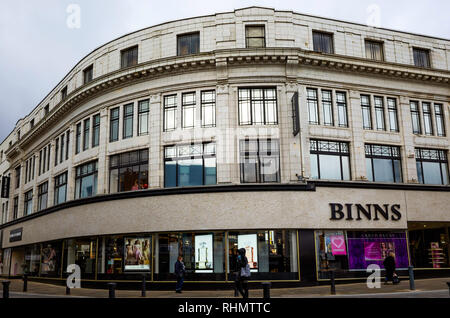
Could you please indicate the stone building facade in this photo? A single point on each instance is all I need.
(208, 108)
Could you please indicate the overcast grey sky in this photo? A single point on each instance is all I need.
(37, 49)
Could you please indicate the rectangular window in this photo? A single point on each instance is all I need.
(48, 158)
(42, 196)
(392, 111)
(383, 163)
(421, 57)
(313, 106)
(143, 110)
(255, 36)
(64, 93)
(366, 112)
(427, 120)
(330, 160)
(379, 112)
(32, 124)
(28, 203)
(128, 114)
(61, 156)
(188, 110)
(188, 44)
(327, 108)
(56, 151)
(208, 112)
(129, 57)
(16, 208)
(40, 162)
(374, 50)
(44, 160)
(60, 188)
(114, 124)
(190, 165)
(259, 160)
(415, 117)
(87, 126)
(88, 74)
(323, 42)
(95, 130)
(46, 109)
(258, 106)
(439, 116)
(341, 101)
(86, 180)
(128, 171)
(432, 166)
(67, 144)
(78, 139)
(170, 112)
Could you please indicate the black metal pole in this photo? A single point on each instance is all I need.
(411, 278)
(266, 289)
(6, 288)
(333, 285)
(25, 283)
(143, 286)
(67, 290)
(112, 290)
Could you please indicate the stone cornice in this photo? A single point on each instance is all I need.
(291, 57)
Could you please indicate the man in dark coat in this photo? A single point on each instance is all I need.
(389, 266)
(179, 271)
(241, 282)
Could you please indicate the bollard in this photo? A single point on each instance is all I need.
(333, 285)
(448, 284)
(266, 289)
(411, 278)
(112, 290)
(25, 283)
(6, 288)
(236, 292)
(143, 286)
(67, 290)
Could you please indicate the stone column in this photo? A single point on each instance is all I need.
(304, 133)
(70, 195)
(156, 151)
(407, 151)
(357, 151)
(103, 158)
(224, 143)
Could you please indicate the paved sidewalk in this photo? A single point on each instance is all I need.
(435, 287)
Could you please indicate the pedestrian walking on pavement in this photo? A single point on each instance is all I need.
(389, 266)
(242, 273)
(179, 271)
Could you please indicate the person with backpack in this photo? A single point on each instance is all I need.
(242, 273)
(389, 266)
(179, 271)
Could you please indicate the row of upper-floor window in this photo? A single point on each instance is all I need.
(259, 162)
(256, 106)
(255, 37)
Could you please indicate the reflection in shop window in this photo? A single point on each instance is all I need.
(32, 259)
(128, 171)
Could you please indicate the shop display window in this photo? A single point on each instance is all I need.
(110, 256)
(81, 252)
(203, 253)
(344, 251)
(32, 259)
(271, 254)
(429, 247)
(137, 253)
(51, 259)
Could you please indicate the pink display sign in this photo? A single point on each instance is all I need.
(338, 245)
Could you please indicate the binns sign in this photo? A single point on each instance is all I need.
(358, 212)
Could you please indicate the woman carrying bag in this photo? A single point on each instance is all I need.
(242, 273)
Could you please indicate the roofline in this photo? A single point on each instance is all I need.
(211, 15)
